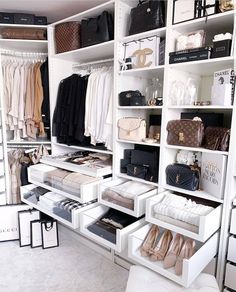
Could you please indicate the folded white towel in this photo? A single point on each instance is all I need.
(54, 197)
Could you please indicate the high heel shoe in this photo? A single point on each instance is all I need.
(159, 251)
(174, 250)
(186, 252)
(149, 240)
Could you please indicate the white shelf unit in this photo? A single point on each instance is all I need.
(24, 45)
(191, 267)
(74, 223)
(208, 224)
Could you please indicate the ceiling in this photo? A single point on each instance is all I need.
(54, 9)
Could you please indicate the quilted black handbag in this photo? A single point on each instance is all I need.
(97, 30)
(183, 176)
(147, 15)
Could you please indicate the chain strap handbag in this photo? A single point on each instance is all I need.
(133, 129)
(67, 36)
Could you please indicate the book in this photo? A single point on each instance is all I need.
(196, 56)
(213, 172)
(193, 50)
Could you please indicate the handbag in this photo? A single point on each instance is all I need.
(133, 129)
(131, 98)
(97, 30)
(138, 171)
(147, 15)
(185, 133)
(24, 33)
(154, 132)
(183, 176)
(67, 36)
(217, 138)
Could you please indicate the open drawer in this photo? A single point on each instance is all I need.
(72, 221)
(84, 193)
(232, 249)
(89, 217)
(92, 170)
(139, 202)
(233, 222)
(208, 224)
(191, 267)
(230, 280)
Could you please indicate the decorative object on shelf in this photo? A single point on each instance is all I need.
(125, 64)
(213, 172)
(177, 92)
(131, 98)
(202, 103)
(133, 129)
(191, 91)
(191, 40)
(24, 33)
(221, 45)
(183, 176)
(49, 233)
(7, 18)
(36, 233)
(154, 133)
(223, 87)
(97, 30)
(217, 138)
(189, 157)
(185, 133)
(23, 18)
(154, 93)
(152, 14)
(226, 5)
(25, 218)
(183, 10)
(67, 36)
(189, 55)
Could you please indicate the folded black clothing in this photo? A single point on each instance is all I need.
(117, 219)
(62, 213)
(37, 192)
(103, 230)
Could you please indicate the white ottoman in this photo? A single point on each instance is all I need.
(143, 280)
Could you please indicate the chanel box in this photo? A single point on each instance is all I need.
(221, 48)
(184, 10)
(6, 17)
(213, 170)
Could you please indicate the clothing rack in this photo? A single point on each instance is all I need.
(93, 64)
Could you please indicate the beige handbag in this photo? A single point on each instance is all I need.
(133, 129)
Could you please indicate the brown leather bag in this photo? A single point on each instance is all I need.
(67, 36)
(24, 33)
(217, 138)
(185, 133)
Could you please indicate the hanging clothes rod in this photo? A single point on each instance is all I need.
(99, 62)
(22, 54)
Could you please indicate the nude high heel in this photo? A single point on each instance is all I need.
(186, 252)
(159, 251)
(149, 241)
(174, 250)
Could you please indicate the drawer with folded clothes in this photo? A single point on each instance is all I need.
(109, 227)
(126, 195)
(85, 162)
(55, 205)
(191, 216)
(76, 186)
(176, 257)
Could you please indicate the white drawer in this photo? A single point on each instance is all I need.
(208, 224)
(90, 216)
(191, 267)
(232, 249)
(87, 192)
(85, 169)
(1, 152)
(139, 201)
(233, 222)
(1, 168)
(2, 185)
(74, 223)
(230, 276)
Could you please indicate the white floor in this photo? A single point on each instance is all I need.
(71, 267)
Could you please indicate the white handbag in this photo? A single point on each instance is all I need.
(133, 129)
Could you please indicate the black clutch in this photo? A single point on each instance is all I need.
(138, 171)
(131, 98)
(183, 176)
(147, 15)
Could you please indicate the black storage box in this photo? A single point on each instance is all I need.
(23, 18)
(221, 49)
(155, 120)
(208, 119)
(40, 20)
(6, 17)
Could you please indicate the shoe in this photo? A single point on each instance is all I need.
(159, 251)
(149, 241)
(174, 250)
(186, 252)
